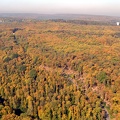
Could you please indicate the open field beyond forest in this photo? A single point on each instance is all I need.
(54, 70)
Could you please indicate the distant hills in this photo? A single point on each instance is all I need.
(98, 18)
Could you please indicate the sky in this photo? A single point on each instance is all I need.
(93, 7)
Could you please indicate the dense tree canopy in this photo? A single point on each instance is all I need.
(59, 71)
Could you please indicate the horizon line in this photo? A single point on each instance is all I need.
(58, 14)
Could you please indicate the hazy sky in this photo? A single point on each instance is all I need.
(100, 7)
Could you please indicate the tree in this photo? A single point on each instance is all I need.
(15, 56)
(33, 74)
(22, 68)
(7, 59)
(102, 77)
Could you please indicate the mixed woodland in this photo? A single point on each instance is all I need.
(56, 70)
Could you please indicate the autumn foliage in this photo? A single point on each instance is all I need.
(59, 71)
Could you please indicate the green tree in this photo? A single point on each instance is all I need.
(102, 77)
(7, 59)
(22, 68)
(33, 74)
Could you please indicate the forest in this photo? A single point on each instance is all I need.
(56, 70)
